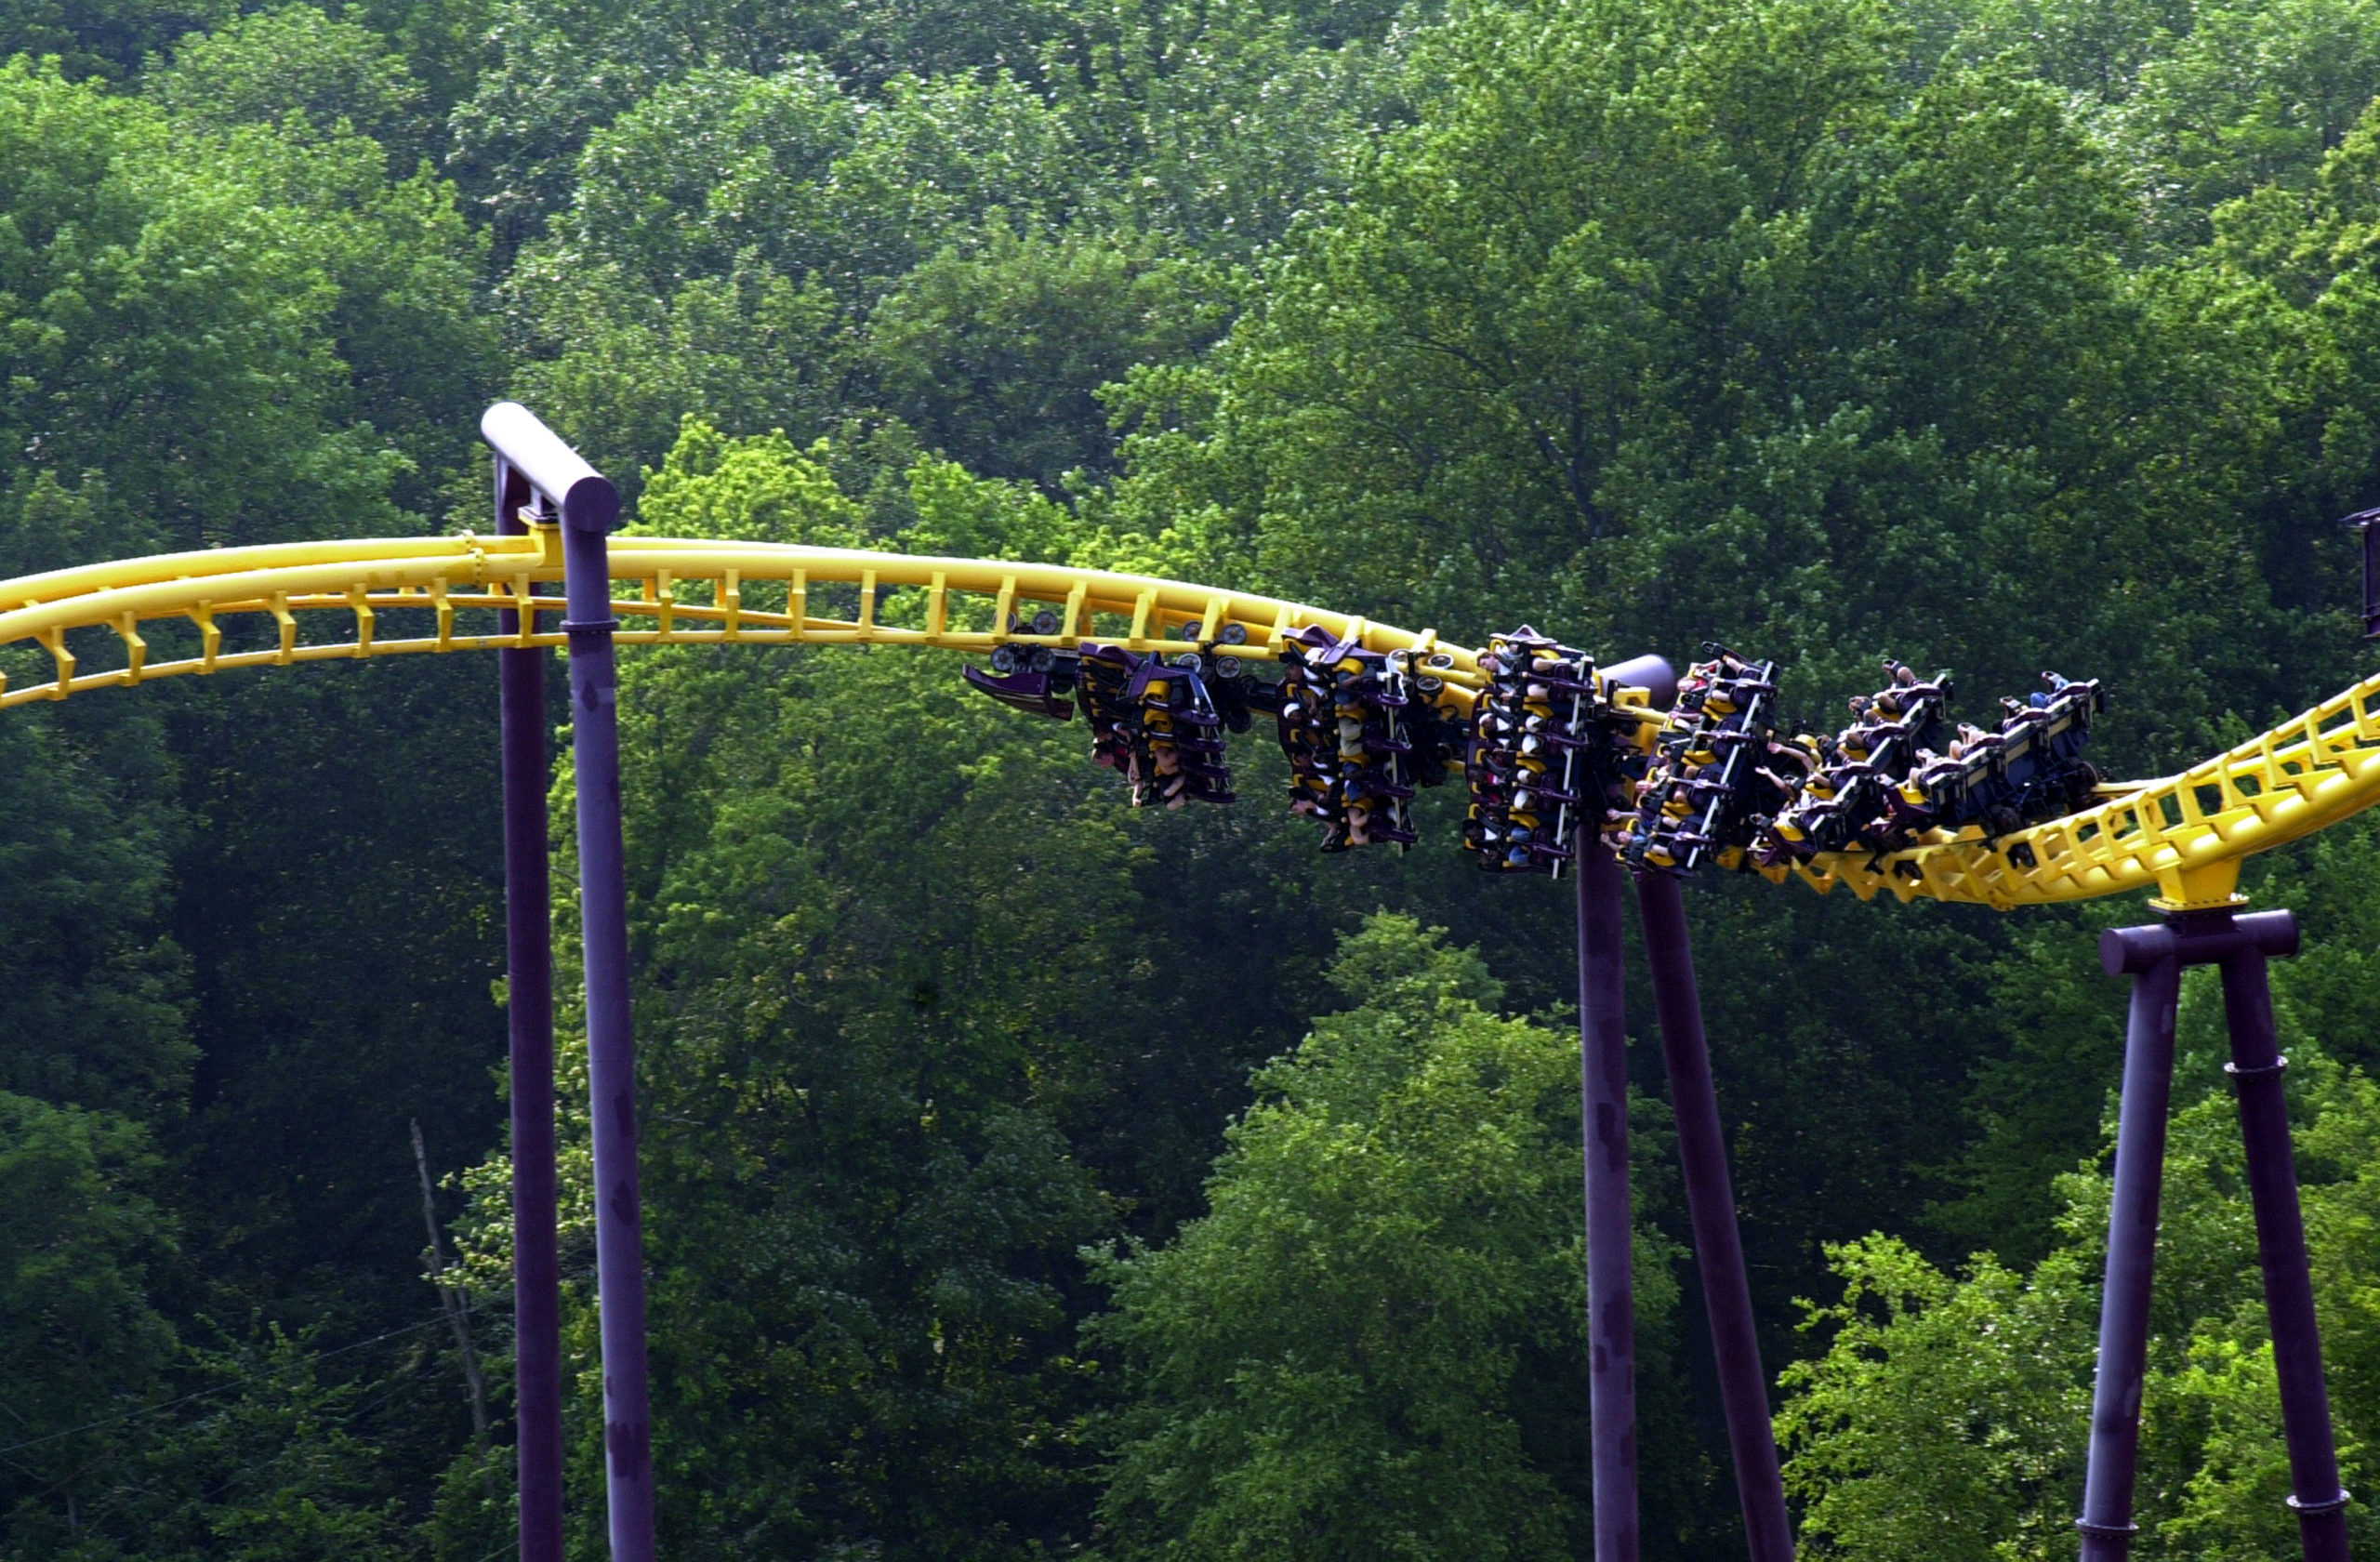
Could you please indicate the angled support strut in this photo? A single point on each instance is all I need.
(1711, 1205)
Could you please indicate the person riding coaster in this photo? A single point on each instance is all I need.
(1361, 729)
(2031, 770)
(1158, 723)
(1855, 796)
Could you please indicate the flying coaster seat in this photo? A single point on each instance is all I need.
(1718, 772)
(1547, 750)
(1111, 704)
(1857, 794)
(1160, 724)
(1184, 732)
(2032, 769)
(1361, 730)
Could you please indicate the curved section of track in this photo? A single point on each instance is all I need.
(2183, 835)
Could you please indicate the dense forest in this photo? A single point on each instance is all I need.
(1028, 1175)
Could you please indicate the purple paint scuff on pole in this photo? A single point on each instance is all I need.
(1711, 1206)
(529, 993)
(2255, 1068)
(1612, 1308)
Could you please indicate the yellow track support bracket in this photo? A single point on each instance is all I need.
(2212, 887)
(136, 649)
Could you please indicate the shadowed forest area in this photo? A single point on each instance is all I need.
(1030, 1176)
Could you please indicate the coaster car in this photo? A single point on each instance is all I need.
(1881, 781)
(1154, 723)
(1855, 795)
(1718, 774)
(1157, 723)
(1361, 729)
(2030, 770)
(1547, 751)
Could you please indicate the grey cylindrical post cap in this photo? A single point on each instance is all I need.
(2129, 951)
(1648, 673)
(583, 496)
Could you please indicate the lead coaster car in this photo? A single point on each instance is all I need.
(1158, 723)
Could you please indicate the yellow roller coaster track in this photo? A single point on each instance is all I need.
(2183, 835)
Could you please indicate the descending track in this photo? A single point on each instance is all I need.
(2184, 835)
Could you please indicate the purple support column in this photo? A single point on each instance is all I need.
(611, 1046)
(2255, 1068)
(1711, 1204)
(2105, 1524)
(529, 989)
(2241, 944)
(588, 504)
(1611, 1306)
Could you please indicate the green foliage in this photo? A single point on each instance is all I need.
(2253, 95)
(1788, 334)
(1328, 1363)
(270, 1466)
(995, 354)
(1946, 1418)
(82, 1340)
(333, 74)
(108, 39)
(96, 986)
(201, 319)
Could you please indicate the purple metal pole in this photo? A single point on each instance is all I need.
(529, 990)
(587, 505)
(2105, 1524)
(611, 1045)
(2256, 1070)
(1711, 1204)
(1611, 1305)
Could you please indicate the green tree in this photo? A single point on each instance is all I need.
(995, 352)
(332, 73)
(268, 1459)
(81, 1345)
(207, 319)
(2253, 95)
(1884, 343)
(109, 39)
(884, 939)
(1338, 1358)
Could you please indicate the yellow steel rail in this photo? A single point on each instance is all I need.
(679, 592)
(2184, 835)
